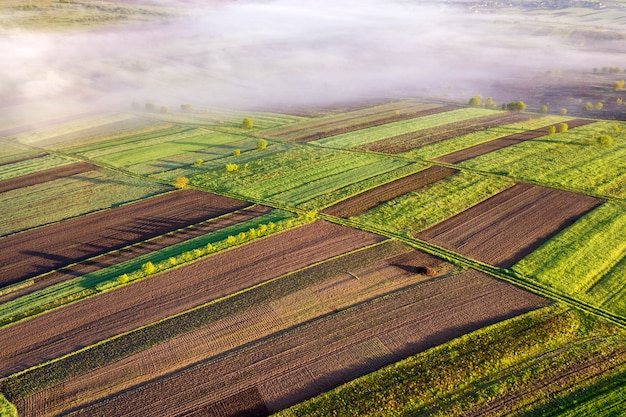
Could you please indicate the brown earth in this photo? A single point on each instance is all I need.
(372, 198)
(494, 145)
(139, 249)
(45, 176)
(510, 225)
(38, 251)
(412, 140)
(26, 158)
(86, 322)
(306, 360)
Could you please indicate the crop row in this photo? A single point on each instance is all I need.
(360, 137)
(561, 159)
(30, 166)
(586, 260)
(91, 191)
(418, 210)
(108, 351)
(529, 363)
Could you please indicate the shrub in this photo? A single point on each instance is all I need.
(605, 140)
(261, 144)
(563, 111)
(598, 106)
(475, 101)
(237, 152)
(231, 240)
(619, 85)
(247, 123)
(181, 182)
(543, 109)
(563, 127)
(123, 279)
(588, 106)
(209, 247)
(232, 167)
(148, 268)
(198, 162)
(516, 106)
(172, 261)
(551, 130)
(186, 107)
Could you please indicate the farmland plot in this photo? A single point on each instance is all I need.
(358, 123)
(586, 260)
(408, 141)
(83, 323)
(374, 197)
(31, 253)
(32, 164)
(572, 160)
(510, 225)
(15, 152)
(373, 134)
(281, 310)
(420, 209)
(484, 148)
(299, 363)
(45, 175)
(296, 174)
(90, 191)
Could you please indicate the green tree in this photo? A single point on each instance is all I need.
(551, 130)
(516, 106)
(563, 127)
(148, 268)
(198, 162)
(619, 85)
(186, 107)
(150, 106)
(563, 111)
(237, 152)
(231, 240)
(209, 247)
(605, 140)
(598, 106)
(165, 109)
(247, 123)
(588, 106)
(172, 261)
(489, 103)
(475, 101)
(123, 279)
(232, 167)
(543, 109)
(261, 144)
(181, 182)
(619, 101)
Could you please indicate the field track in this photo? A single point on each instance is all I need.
(409, 141)
(291, 366)
(83, 323)
(45, 176)
(494, 145)
(142, 248)
(34, 252)
(26, 158)
(510, 225)
(372, 198)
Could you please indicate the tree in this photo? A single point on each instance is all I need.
(516, 106)
(237, 152)
(619, 85)
(588, 106)
(181, 182)
(475, 101)
(123, 279)
(261, 144)
(186, 107)
(543, 109)
(232, 167)
(605, 140)
(619, 101)
(247, 123)
(598, 106)
(563, 127)
(148, 268)
(231, 240)
(198, 162)
(551, 130)
(165, 109)
(563, 111)
(489, 103)
(150, 106)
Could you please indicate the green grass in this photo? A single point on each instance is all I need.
(294, 174)
(373, 134)
(586, 260)
(161, 147)
(10, 151)
(509, 360)
(418, 210)
(91, 283)
(573, 160)
(90, 191)
(461, 142)
(6, 408)
(31, 166)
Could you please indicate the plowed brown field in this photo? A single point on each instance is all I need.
(296, 364)
(494, 145)
(372, 198)
(83, 323)
(45, 176)
(510, 225)
(38, 251)
(139, 249)
(409, 141)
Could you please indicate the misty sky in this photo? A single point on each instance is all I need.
(256, 54)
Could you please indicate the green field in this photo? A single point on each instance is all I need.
(461, 142)
(520, 367)
(573, 160)
(360, 137)
(586, 260)
(90, 191)
(31, 166)
(293, 175)
(418, 210)
(10, 151)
